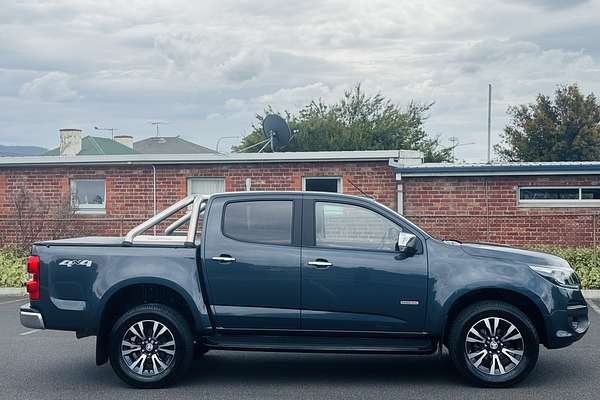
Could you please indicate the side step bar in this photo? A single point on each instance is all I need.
(313, 344)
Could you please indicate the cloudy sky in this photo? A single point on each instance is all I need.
(207, 67)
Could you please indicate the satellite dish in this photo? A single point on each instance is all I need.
(276, 130)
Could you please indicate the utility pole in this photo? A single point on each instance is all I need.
(489, 158)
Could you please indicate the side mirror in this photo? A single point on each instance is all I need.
(407, 243)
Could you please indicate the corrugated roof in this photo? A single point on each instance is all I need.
(408, 156)
(514, 168)
(94, 145)
(169, 145)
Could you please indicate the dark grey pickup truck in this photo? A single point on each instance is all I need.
(318, 272)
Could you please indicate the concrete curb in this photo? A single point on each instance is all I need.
(9, 291)
(591, 293)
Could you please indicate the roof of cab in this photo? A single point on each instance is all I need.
(263, 193)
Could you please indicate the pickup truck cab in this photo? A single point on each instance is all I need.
(300, 271)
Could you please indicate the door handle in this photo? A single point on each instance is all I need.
(224, 258)
(320, 263)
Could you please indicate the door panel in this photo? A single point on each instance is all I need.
(363, 291)
(359, 289)
(252, 285)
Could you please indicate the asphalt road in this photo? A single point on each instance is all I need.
(55, 365)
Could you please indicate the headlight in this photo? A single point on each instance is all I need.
(561, 276)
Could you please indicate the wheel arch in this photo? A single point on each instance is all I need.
(131, 293)
(523, 302)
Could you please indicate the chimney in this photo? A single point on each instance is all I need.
(70, 142)
(125, 140)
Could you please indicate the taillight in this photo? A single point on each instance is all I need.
(33, 284)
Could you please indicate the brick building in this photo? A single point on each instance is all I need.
(519, 204)
(111, 194)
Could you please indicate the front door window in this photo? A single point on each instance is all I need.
(347, 226)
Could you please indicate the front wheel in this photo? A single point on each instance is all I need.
(150, 346)
(494, 344)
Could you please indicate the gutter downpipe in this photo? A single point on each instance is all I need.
(399, 186)
(154, 193)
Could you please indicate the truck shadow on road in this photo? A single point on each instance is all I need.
(282, 368)
(269, 368)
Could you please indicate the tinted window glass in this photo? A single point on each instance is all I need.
(550, 194)
(590, 193)
(348, 226)
(321, 184)
(267, 222)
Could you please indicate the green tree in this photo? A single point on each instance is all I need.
(356, 122)
(566, 128)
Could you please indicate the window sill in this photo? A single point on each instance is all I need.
(560, 204)
(91, 212)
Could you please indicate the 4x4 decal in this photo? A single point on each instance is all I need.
(73, 263)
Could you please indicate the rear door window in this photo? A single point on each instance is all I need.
(268, 222)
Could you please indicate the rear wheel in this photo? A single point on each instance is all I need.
(494, 344)
(150, 346)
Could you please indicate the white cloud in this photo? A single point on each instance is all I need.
(245, 65)
(297, 97)
(554, 4)
(53, 86)
(208, 67)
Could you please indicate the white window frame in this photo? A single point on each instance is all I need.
(554, 202)
(190, 179)
(87, 208)
(340, 188)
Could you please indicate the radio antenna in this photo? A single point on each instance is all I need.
(360, 190)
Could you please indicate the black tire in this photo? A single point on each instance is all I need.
(178, 332)
(473, 316)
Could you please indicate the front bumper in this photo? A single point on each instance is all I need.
(568, 326)
(31, 318)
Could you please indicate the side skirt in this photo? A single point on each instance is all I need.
(322, 343)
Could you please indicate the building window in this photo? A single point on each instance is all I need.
(205, 186)
(268, 222)
(88, 195)
(566, 196)
(322, 184)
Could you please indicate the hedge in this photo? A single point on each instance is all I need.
(13, 267)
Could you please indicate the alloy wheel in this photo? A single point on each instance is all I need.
(148, 348)
(494, 346)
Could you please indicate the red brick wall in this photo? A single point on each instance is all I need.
(129, 196)
(485, 209)
(465, 208)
